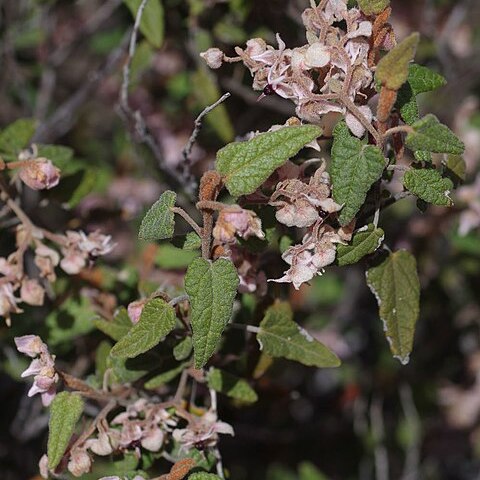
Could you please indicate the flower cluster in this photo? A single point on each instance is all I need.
(77, 249)
(331, 73)
(42, 367)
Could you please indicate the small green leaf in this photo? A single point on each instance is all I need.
(183, 349)
(392, 70)
(395, 284)
(280, 336)
(203, 476)
(165, 377)
(371, 7)
(153, 23)
(127, 370)
(159, 222)
(246, 165)
(429, 185)
(355, 168)
(456, 168)
(423, 79)
(420, 80)
(190, 241)
(156, 322)
(231, 386)
(212, 288)
(430, 135)
(17, 135)
(364, 242)
(116, 328)
(65, 412)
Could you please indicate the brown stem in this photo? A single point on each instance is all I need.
(362, 119)
(188, 219)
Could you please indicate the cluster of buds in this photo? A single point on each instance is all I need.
(333, 72)
(236, 221)
(77, 248)
(42, 367)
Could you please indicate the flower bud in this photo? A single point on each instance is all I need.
(135, 310)
(39, 174)
(213, 57)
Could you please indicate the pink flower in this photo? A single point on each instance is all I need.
(41, 368)
(80, 462)
(135, 310)
(32, 292)
(8, 302)
(237, 221)
(39, 174)
(30, 345)
(46, 259)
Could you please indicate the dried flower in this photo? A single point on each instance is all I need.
(8, 302)
(237, 221)
(80, 462)
(213, 57)
(32, 292)
(39, 174)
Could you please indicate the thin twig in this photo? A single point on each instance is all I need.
(400, 129)
(187, 164)
(188, 219)
(177, 300)
(135, 119)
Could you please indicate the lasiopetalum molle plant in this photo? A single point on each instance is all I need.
(327, 206)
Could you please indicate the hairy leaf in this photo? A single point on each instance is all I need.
(116, 328)
(429, 185)
(392, 70)
(371, 7)
(231, 385)
(153, 23)
(430, 135)
(355, 168)
(17, 135)
(65, 412)
(364, 242)
(246, 165)
(395, 284)
(156, 322)
(420, 80)
(280, 336)
(159, 222)
(212, 287)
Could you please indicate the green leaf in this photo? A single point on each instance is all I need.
(430, 135)
(395, 284)
(203, 476)
(65, 412)
(392, 70)
(170, 257)
(280, 336)
(116, 328)
(212, 288)
(246, 165)
(165, 377)
(429, 185)
(371, 7)
(190, 241)
(101, 355)
(156, 322)
(183, 349)
(127, 370)
(17, 135)
(153, 23)
(159, 222)
(364, 242)
(423, 79)
(231, 386)
(355, 168)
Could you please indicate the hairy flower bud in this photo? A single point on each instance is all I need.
(39, 174)
(135, 310)
(213, 57)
